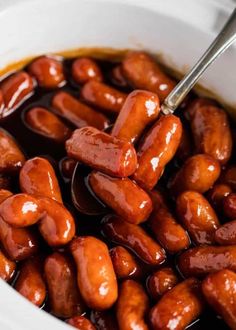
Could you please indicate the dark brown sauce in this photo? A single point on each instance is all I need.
(34, 144)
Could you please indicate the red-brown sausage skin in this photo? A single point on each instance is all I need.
(198, 173)
(229, 206)
(178, 307)
(95, 274)
(102, 152)
(64, 297)
(123, 195)
(85, 69)
(107, 98)
(219, 290)
(139, 110)
(226, 234)
(7, 267)
(78, 113)
(48, 72)
(202, 260)
(144, 73)
(217, 195)
(134, 238)
(30, 282)
(37, 177)
(198, 217)
(81, 323)
(132, 305)
(160, 282)
(156, 150)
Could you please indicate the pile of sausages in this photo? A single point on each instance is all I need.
(168, 247)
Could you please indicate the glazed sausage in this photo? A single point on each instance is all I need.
(2, 106)
(156, 150)
(117, 77)
(37, 177)
(167, 231)
(67, 166)
(198, 217)
(102, 151)
(19, 243)
(57, 225)
(219, 290)
(64, 296)
(20, 210)
(123, 195)
(132, 306)
(100, 95)
(78, 113)
(178, 307)
(226, 234)
(125, 265)
(160, 282)
(212, 133)
(198, 173)
(12, 158)
(197, 103)
(85, 69)
(15, 89)
(217, 195)
(4, 194)
(47, 124)
(139, 110)
(30, 282)
(202, 260)
(229, 206)
(104, 320)
(95, 274)
(81, 323)
(144, 73)
(134, 238)
(48, 72)
(229, 177)
(7, 267)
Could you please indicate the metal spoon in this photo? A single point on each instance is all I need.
(224, 39)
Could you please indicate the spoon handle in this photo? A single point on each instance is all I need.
(224, 39)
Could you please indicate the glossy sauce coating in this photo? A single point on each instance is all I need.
(229, 206)
(201, 260)
(156, 149)
(178, 307)
(15, 89)
(57, 225)
(30, 282)
(198, 102)
(37, 177)
(123, 195)
(20, 210)
(144, 73)
(95, 274)
(78, 113)
(125, 265)
(219, 290)
(139, 110)
(106, 98)
(60, 275)
(134, 238)
(101, 151)
(211, 133)
(12, 158)
(85, 69)
(19, 243)
(47, 124)
(198, 216)
(167, 231)
(226, 234)
(80, 322)
(198, 173)
(132, 306)
(217, 195)
(7, 267)
(48, 71)
(161, 281)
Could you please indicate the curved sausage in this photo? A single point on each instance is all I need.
(85, 69)
(226, 234)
